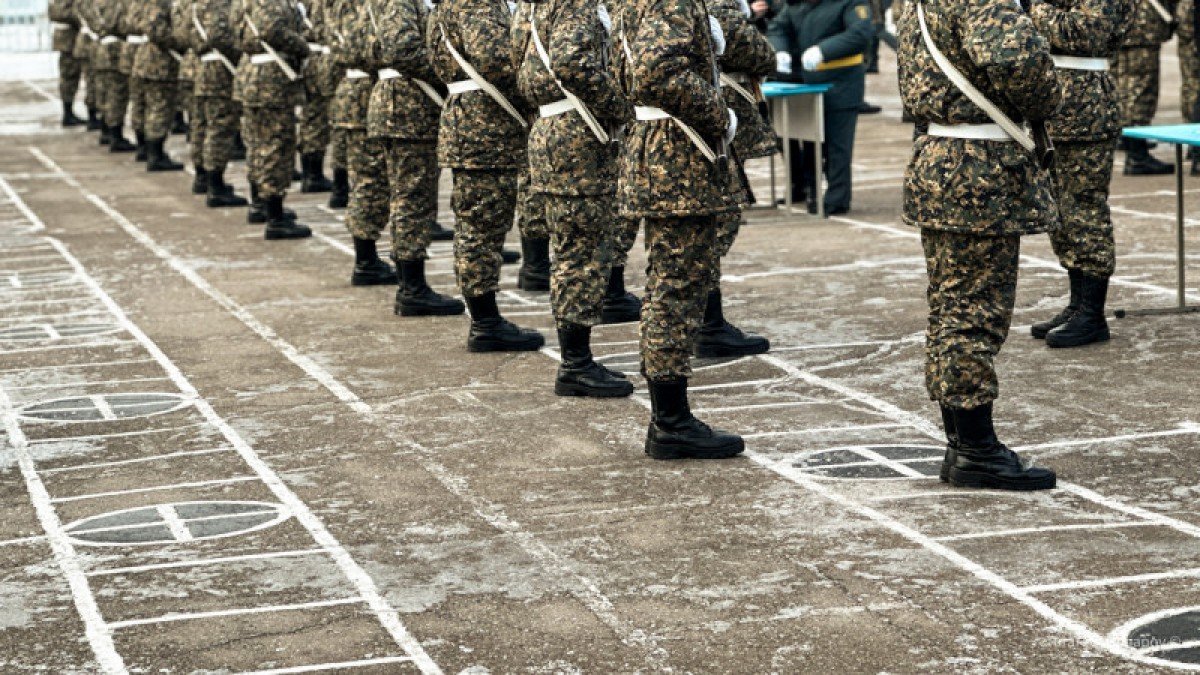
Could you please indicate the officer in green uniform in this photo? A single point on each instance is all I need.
(825, 40)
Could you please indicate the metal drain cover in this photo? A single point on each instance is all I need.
(1171, 636)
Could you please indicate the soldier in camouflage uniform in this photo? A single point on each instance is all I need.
(534, 273)
(112, 84)
(66, 32)
(402, 126)
(156, 68)
(573, 168)
(215, 123)
(483, 142)
(1083, 34)
(133, 43)
(665, 60)
(85, 44)
(1189, 70)
(621, 306)
(1136, 71)
(269, 97)
(320, 82)
(973, 199)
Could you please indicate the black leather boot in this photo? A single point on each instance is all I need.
(279, 226)
(534, 274)
(157, 158)
(340, 191)
(439, 233)
(142, 152)
(93, 120)
(674, 433)
(239, 148)
(69, 119)
(982, 461)
(258, 209)
(313, 167)
(369, 270)
(1087, 324)
(951, 443)
(717, 337)
(508, 257)
(416, 298)
(579, 374)
(117, 141)
(620, 306)
(106, 134)
(200, 180)
(180, 126)
(490, 332)
(220, 193)
(1194, 156)
(1040, 329)
(1139, 161)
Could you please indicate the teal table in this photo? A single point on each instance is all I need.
(797, 113)
(1179, 135)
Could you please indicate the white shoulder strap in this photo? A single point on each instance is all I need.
(580, 107)
(960, 81)
(1162, 11)
(475, 77)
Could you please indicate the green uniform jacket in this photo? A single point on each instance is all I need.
(213, 78)
(66, 25)
(842, 29)
(989, 188)
(279, 25)
(1146, 27)
(399, 108)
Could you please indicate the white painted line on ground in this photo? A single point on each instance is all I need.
(894, 465)
(179, 529)
(915, 337)
(739, 384)
(102, 407)
(760, 406)
(917, 263)
(119, 434)
(41, 92)
(242, 611)
(829, 430)
(38, 225)
(137, 460)
(1155, 216)
(204, 562)
(1185, 429)
(1114, 581)
(23, 540)
(72, 385)
(68, 366)
(1015, 532)
(344, 665)
(55, 348)
(156, 488)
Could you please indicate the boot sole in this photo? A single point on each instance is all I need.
(1102, 336)
(565, 389)
(534, 286)
(151, 169)
(429, 311)
(279, 237)
(723, 352)
(374, 281)
(972, 479)
(480, 347)
(670, 451)
(313, 191)
(219, 205)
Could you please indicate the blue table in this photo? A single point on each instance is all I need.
(797, 113)
(1179, 135)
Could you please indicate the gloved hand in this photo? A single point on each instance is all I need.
(811, 58)
(732, 130)
(718, 35)
(745, 7)
(783, 62)
(605, 19)
(512, 7)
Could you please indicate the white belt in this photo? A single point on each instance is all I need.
(647, 113)
(462, 87)
(109, 39)
(977, 132)
(316, 48)
(137, 39)
(260, 59)
(388, 74)
(556, 108)
(740, 78)
(1097, 63)
(212, 56)
(59, 25)
(356, 74)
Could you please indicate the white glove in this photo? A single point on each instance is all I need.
(718, 35)
(811, 58)
(303, 11)
(605, 19)
(512, 7)
(745, 6)
(783, 62)
(429, 5)
(732, 131)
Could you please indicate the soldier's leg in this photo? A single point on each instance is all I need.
(368, 212)
(680, 253)
(114, 113)
(69, 71)
(221, 116)
(340, 197)
(412, 185)
(137, 114)
(314, 138)
(90, 100)
(1137, 85)
(1189, 69)
(197, 137)
(159, 113)
(275, 144)
(840, 126)
(716, 336)
(483, 203)
(185, 104)
(534, 274)
(621, 306)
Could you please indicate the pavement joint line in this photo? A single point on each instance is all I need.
(137, 460)
(155, 488)
(204, 562)
(361, 663)
(914, 337)
(1017, 531)
(69, 385)
(237, 611)
(1114, 581)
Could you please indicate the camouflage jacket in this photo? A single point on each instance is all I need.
(987, 188)
(321, 75)
(352, 51)
(399, 107)
(128, 26)
(66, 25)
(281, 26)
(565, 157)
(105, 19)
(748, 58)
(154, 60)
(181, 27)
(664, 59)
(1146, 26)
(212, 30)
(1185, 15)
(84, 43)
(1084, 28)
(475, 131)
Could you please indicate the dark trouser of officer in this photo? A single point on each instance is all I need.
(838, 152)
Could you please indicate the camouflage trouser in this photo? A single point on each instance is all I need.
(680, 252)
(367, 214)
(624, 236)
(185, 98)
(483, 201)
(69, 70)
(413, 181)
(1136, 75)
(113, 90)
(89, 91)
(213, 130)
(728, 225)
(972, 289)
(1084, 238)
(154, 107)
(270, 136)
(314, 125)
(137, 104)
(581, 232)
(1189, 68)
(531, 209)
(337, 148)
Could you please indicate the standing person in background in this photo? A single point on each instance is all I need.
(217, 114)
(826, 39)
(134, 39)
(339, 197)
(879, 10)
(66, 33)
(112, 83)
(320, 83)
(1083, 34)
(1136, 70)
(156, 68)
(1189, 70)
(85, 45)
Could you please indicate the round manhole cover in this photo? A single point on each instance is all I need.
(174, 523)
(102, 408)
(1171, 637)
(37, 279)
(43, 332)
(874, 462)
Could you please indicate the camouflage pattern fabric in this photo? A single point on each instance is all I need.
(354, 50)
(90, 99)
(156, 100)
(137, 104)
(398, 108)
(624, 237)
(337, 147)
(1189, 61)
(367, 213)
(728, 225)
(321, 75)
(70, 69)
(198, 130)
(219, 117)
(216, 116)
(483, 203)
(270, 136)
(266, 85)
(1084, 239)
(315, 127)
(1146, 27)
(961, 185)
(412, 182)
(678, 279)
(972, 290)
(1136, 70)
(348, 109)
(65, 31)
(581, 237)
(113, 89)
(748, 56)
(531, 209)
